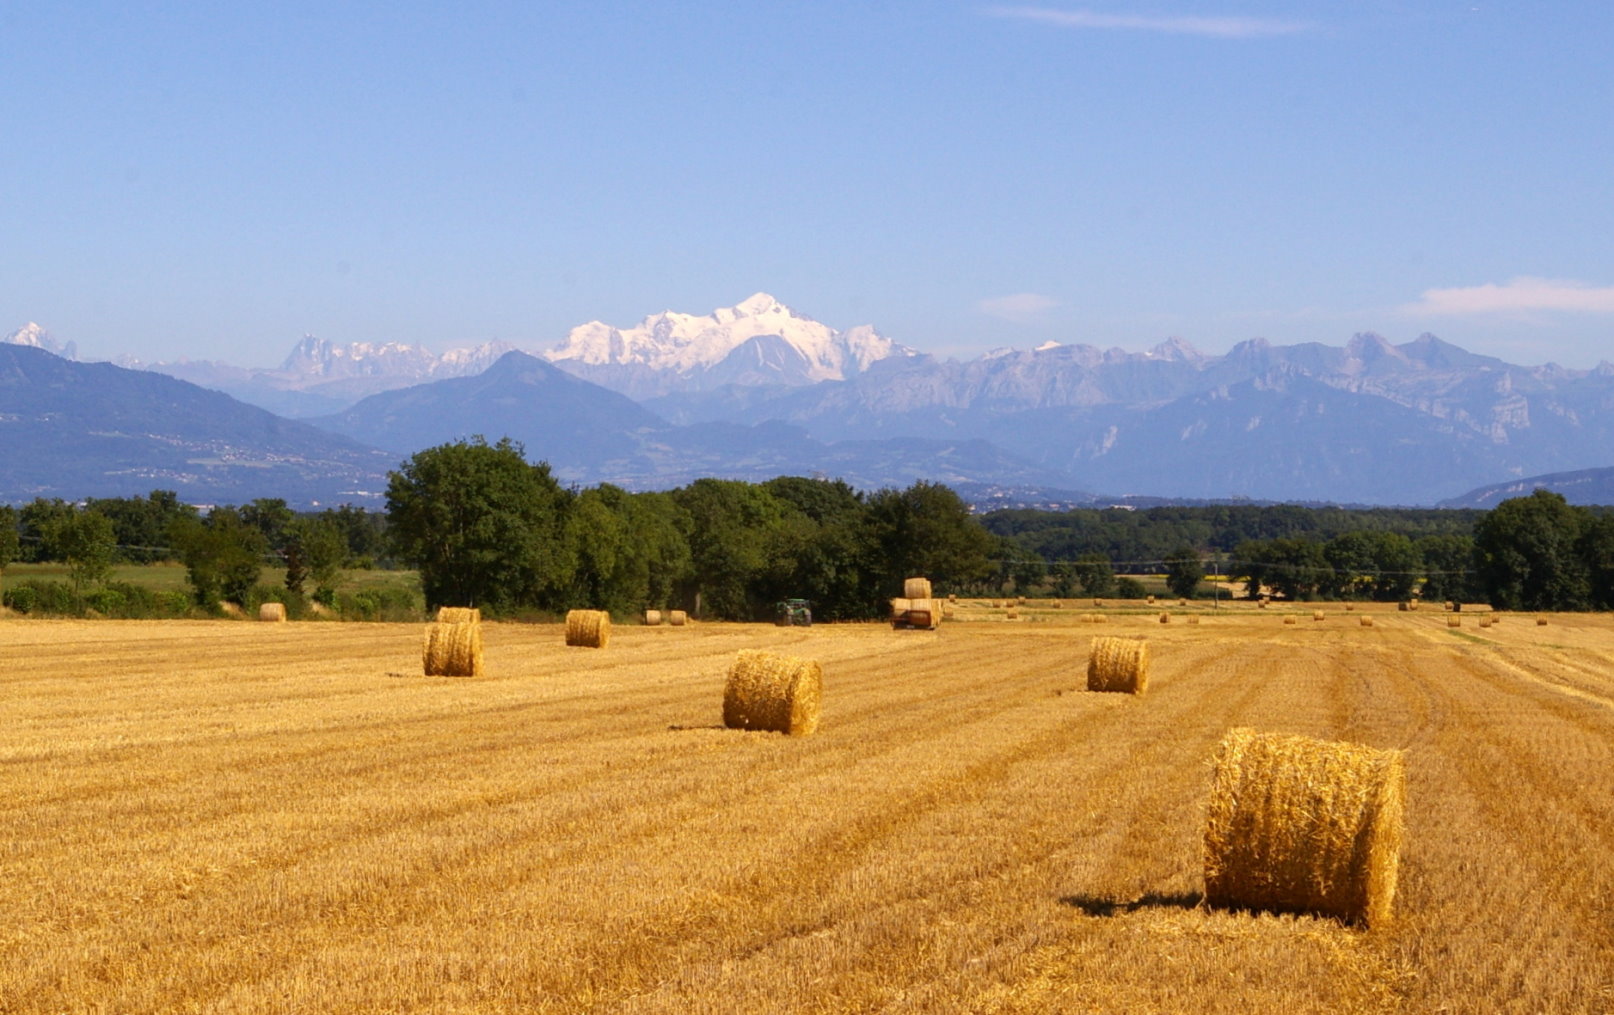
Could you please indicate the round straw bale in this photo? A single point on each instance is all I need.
(1316, 614)
(652, 618)
(1301, 825)
(1350, 607)
(1289, 620)
(1013, 614)
(1402, 606)
(1261, 604)
(916, 588)
(1454, 621)
(1485, 622)
(952, 597)
(459, 615)
(1118, 664)
(1098, 603)
(1150, 600)
(452, 650)
(1412, 604)
(1165, 618)
(1193, 618)
(274, 613)
(768, 691)
(677, 618)
(1367, 621)
(588, 628)
(1541, 621)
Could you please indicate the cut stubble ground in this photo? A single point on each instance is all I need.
(226, 817)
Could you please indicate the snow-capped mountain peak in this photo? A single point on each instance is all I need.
(686, 349)
(36, 337)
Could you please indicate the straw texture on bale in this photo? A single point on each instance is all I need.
(677, 618)
(1541, 621)
(1316, 614)
(459, 615)
(652, 618)
(1013, 614)
(1402, 606)
(900, 606)
(274, 613)
(768, 691)
(1118, 664)
(1449, 606)
(1098, 603)
(1150, 600)
(1350, 607)
(1367, 621)
(1165, 618)
(588, 628)
(1413, 605)
(1485, 622)
(1288, 620)
(916, 588)
(452, 650)
(1193, 618)
(1454, 621)
(1262, 604)
(1301, 825)
(952, 597)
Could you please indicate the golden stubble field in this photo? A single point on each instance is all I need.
(235, 817)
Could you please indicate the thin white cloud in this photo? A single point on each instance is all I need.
(1215, 27)
(1521, 294)
(1021, 308)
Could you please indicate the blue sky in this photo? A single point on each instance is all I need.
(215, 180)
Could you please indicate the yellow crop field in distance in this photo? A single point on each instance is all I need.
(226, 817)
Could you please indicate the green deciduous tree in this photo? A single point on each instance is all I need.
(314, 549)
(1527, 554)
(84, 540)
(927, 530)
(1184, 571)
(222, 553)
(10, 542)
(730, 528)
(1095, 573)
(485, 527)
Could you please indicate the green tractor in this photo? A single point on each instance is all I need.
(793, 613)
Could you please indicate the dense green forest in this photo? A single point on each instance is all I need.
(485, 527)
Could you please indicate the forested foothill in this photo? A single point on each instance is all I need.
(482, 526)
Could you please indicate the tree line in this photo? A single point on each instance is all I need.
(485, 527)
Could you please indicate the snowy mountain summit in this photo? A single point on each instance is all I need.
(33, 336)
(757, 341)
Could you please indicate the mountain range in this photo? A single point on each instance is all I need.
(758, 389)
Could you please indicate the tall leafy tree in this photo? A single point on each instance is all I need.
(927, 530)
(730, 527)
(223, 555)
(314, 550)
(1527, 557)
(1447, 564)
(84, 540)
(1095, 573)
(485, 527)
(10, 542)
(1184, 571)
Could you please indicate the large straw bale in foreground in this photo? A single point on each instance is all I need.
(274, 613)
(768, 691)
(1118, 664)
(1302, 825)
(452, 650)
(459, 615)
(916, 588)
(588, 628)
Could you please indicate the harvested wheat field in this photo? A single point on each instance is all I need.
(233, 817)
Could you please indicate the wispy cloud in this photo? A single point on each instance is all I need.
(1517, 295)
(1021, 308)
(1215, 27)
